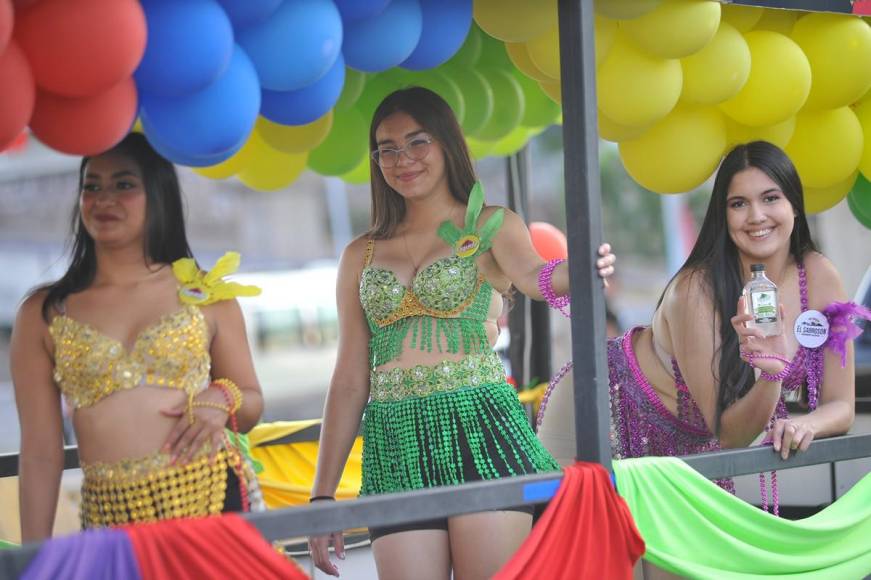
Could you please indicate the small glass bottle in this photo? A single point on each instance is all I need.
(760, 300)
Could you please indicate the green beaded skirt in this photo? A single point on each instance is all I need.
(449, 436)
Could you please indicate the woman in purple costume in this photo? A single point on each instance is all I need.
(683, 384)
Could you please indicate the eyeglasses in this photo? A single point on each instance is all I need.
(416, 149)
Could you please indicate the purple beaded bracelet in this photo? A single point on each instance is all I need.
(751, 356)
(545, 286)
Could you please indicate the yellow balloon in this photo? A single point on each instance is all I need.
(743, 18)
(519, 55)
(605, 35)
(231, 166)
(479, 149)
(511, 143)
(780, 21)
(679, 153)
(779, 81)
(863, 113)
(779, 134)
(269, 169)
(839, 51)
(823, 198)
(360, 174)
(676, 29)
(515, 20)
(826, 146)
(624, 9)
(544, 52)
(611, 131)
(635, 88)
(554, 90)
(137, 126)
(294, 138)
(717, 72)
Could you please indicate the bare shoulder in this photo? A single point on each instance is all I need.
(30, 311)
(689, 289)
(354, 254)
(823, 280)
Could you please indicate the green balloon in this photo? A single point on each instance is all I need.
(493, 53)
(859, 201)
(441, 84)
(470, 51)
(359, 175)
(344, 148)
(540, 110)
(352, 89)
(477, 97)
(508, 94)
(378, 86)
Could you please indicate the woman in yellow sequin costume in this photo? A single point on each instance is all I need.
(134, 337)
(419, 296)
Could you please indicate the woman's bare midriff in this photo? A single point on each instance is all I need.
(126, 424)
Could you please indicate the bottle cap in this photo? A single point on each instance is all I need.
(757, 267)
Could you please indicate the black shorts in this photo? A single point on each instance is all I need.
(505, 466)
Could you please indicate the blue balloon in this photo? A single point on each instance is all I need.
(189, 45)
(212, 123)
(357, 9)
(244, 13)
(296, 46)
(445, 26)
(383, 41)
(305, 105)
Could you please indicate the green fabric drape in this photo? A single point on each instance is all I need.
(694, 528)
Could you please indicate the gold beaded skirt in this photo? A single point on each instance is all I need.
(150, 489)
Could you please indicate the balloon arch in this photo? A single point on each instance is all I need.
(263, 89)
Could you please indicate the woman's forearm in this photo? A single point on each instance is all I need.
(832, 418)
(747, 417)
(252, 409)
(38, 489)
(342, 414)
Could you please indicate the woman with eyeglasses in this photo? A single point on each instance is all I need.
(418, 297)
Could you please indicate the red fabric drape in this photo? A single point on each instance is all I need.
(585, 532)
(224, 547)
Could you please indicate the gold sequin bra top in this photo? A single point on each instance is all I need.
(173, 352)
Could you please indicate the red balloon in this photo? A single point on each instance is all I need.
(6, 17)
(80, 48)
(549, 241)
(17, 95)
(86, 125)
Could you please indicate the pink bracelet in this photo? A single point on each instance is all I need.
(751, 356)
(545, 286)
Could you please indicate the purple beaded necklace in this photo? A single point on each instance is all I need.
(806, 368)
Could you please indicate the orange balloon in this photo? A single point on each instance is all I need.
(549, 241)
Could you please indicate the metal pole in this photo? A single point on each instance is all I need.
(519, 317)
(584, 217)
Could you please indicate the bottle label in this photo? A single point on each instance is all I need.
(811, 328)
(764, 305)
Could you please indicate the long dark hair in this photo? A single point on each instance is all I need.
(437, 119)
(165, 235)
(716, 259)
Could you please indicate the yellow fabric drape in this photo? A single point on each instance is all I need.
(289, 469)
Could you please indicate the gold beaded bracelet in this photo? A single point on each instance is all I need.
(235, 392)
(212, 405)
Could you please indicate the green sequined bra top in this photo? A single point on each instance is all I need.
(457, 420)
(447, 303)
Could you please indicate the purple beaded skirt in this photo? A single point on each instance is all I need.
(641, 424)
